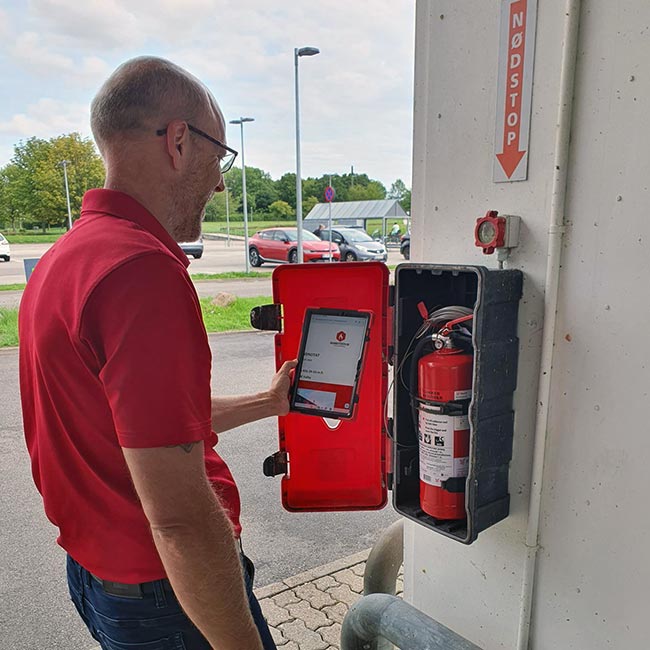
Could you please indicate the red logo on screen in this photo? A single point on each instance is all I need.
(340, 336)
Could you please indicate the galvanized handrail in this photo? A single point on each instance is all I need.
(383, 616)
(384, 561)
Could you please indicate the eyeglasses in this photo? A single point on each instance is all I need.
(226, 161)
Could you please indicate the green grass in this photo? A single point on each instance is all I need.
(34, 236)
(231, 275)
(8, 327)
(12, 287)
(216, 319)
(233, 317)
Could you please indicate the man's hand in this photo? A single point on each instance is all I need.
(234, 410)
(280, 386)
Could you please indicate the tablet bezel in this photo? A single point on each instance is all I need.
(309, 312)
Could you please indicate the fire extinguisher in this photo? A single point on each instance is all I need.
(441, 389)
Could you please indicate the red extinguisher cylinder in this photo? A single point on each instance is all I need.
(443, 376)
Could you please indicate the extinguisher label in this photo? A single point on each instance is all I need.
(437, 458)
(462, 394)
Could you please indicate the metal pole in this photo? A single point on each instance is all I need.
(227, 219)
(330, 225)
(243, 185)
(64, 163)
(298, 178)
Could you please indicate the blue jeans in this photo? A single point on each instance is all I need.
(153, 621)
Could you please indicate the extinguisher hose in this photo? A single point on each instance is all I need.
(419, 351)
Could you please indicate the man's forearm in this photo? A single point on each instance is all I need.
(234, 410)
(204, 568)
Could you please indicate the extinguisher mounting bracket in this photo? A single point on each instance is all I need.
(276, 464)
(267, 317)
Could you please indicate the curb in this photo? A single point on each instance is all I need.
(311, 574)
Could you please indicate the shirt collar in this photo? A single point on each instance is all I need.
(123, 206)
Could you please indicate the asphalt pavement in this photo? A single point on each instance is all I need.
(35, 612)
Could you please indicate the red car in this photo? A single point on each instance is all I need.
(280, 245)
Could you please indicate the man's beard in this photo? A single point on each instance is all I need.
(188, 211)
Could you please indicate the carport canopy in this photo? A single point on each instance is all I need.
(355, 213)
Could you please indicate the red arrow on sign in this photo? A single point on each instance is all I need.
(511, 156)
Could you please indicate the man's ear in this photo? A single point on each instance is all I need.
(177, 137)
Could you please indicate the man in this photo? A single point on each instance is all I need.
(115, 383)
(319, 230)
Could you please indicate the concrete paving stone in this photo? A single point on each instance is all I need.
(310, 616)
(359, 568)
(292, 645)
(305, 638)
(343, 594)
(315, 596)
(325, 582)
(287, 597)
(348, 577)
(336, 612)
(279, 638)
(270, 590)
(326, 569)
(274, 614)
(331, 634)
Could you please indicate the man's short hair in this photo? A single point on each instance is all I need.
(145, 93)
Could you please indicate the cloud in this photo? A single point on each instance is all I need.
(31, 53)
(48, 118)
(356, 96)
(101, 25)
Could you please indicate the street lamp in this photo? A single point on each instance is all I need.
(241, 121)
(298, 52)
(64, 164)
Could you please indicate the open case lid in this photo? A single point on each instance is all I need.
(333, 464)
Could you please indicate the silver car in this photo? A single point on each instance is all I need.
(356, 244)
(5, 253)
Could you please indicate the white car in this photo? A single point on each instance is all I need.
(5, 253)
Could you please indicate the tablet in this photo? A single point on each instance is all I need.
(329, 362)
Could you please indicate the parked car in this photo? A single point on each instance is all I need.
(193, 248)
(356, 244)
(5, 252)
(405, 246)
(280, 245)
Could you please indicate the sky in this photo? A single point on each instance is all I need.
(356, 96)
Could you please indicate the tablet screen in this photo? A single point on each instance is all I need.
(329, 362)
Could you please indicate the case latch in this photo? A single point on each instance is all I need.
(267, 317)
(276, 464)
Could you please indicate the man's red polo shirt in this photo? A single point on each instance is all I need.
(113, 353)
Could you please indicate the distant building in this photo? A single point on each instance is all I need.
(355, 213)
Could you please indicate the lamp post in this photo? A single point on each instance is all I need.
(241, 121)
(297, 53)
(64, 164)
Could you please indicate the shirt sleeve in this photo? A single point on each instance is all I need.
(144, 326)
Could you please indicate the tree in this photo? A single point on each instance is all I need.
(399, 191)
(308, 204)
(373, 191)
(260, 187)
(281, 210)
(37, 188)
(286, 188)
(9, 206)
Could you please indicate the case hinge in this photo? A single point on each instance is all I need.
(267, 317)
(276, 464)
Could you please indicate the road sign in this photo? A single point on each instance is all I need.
(514, 89)
(329, 193)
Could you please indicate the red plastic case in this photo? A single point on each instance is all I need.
(340, 468)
